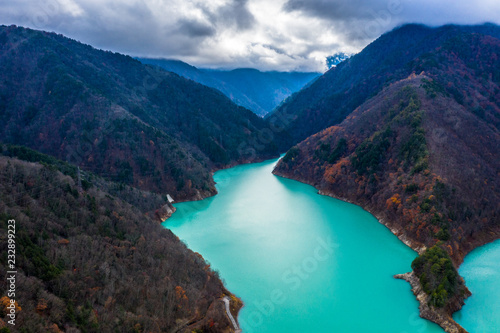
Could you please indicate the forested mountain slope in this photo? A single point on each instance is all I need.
(112, 115)
(87, 261)
(424, 164)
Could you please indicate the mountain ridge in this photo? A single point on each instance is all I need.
(330, 98)
(110, 114)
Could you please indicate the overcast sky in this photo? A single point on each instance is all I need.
(264, 34)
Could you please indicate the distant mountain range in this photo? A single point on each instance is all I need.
(257, 91)
(410, 130)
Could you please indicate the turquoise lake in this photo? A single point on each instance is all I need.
(301, 262)
(481, 271)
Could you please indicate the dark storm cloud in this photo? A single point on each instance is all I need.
(333, 9)
(233, 14)
(195, 28)
(237, 12)
(125, 26)
(358, 21)
(363, 20)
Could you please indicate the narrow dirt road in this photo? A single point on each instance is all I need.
(236, 328)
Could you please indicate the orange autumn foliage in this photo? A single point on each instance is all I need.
(335, 170)
(41, 306)
(181, 296)
(5, 302)
(394, 201)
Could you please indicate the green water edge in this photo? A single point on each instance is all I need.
(301, 262)
(481, 271)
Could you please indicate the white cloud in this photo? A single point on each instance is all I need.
(269, 35)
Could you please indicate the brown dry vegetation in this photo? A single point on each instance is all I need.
(90, 262)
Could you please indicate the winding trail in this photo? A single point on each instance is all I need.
(226, 301)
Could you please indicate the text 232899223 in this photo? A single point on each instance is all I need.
(12, 272)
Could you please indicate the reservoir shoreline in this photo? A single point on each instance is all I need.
(442, 318)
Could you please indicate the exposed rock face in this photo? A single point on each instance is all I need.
(442, 317)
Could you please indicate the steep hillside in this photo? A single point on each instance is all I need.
(424, 164)
(112, 115)
(258, 91)
(87, 261)
(390, 58)
(423, 155)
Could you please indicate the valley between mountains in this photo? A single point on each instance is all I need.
(95, 145)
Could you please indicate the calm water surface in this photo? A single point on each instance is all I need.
(301, 262)
(481, 271)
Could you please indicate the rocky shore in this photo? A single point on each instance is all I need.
(442, 317)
